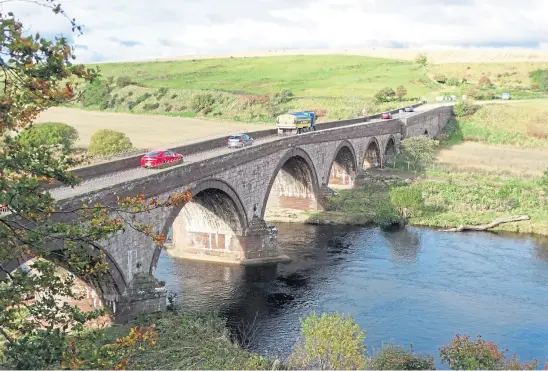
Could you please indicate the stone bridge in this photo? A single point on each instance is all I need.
(231, 193)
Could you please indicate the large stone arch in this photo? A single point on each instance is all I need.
(390, 151)
(343, 167)
(305, 186)
(210, 198)
(372, 155)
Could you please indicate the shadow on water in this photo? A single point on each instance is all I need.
(411, 285)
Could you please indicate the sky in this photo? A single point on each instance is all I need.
(117, 30)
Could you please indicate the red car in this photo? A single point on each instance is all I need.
(159, 157)
(386, 115)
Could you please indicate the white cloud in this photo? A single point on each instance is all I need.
(138, 29)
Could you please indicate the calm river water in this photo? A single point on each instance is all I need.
(410, 286)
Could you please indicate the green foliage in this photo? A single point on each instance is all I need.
(142, 98)
(422, 60)
(151, 106)
(465, 108)
(282, 97)
(401, 92)
(407, 200)
(540, 78)
(417, 152)
(106, 141)
(160, 93)
(395, 357)
(96, 94)
(202, 101)
(123, 81)
(453, 81)
(472, 92)
(485, 82)
(465, 354)
(385, 95)
(50, 134)
(329, 342)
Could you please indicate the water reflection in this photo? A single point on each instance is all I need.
(412, 286)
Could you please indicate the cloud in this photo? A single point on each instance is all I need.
(120, 30)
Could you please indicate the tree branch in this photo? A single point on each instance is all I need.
(484, 227)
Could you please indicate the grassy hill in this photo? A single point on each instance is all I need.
(259, 88)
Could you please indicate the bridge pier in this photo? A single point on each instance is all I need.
(144, 295)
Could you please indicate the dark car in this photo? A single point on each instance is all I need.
(386, 115)
(409, 109)
(160, 157)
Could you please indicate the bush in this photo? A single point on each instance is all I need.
(106, 141)
(173, 96)
(464, 354)
(284, 96)
(142, 98)
(485, 82)
(129, 93)
(441, 78)
(453, 81)
(401, 92)
(465, 108)
(422, 60)
(123, 81)
(330, 342)
(96, 94)
(394, 357)
(473, 92)
(201, 101)
(50, 133)
(160, 93)
(417, 152)
(151, 106)
(385, 95)
(407, 200)
(540, 78)
(168, 107)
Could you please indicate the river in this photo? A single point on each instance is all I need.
(414, 286)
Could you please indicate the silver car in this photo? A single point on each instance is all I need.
(239, 141)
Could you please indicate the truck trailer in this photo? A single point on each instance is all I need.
(296, 123)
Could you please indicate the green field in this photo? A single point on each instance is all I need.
(335, 86)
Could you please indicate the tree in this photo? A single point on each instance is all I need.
(97, 94)
(441, 78)
(106, 141)
(330, 342)
(38, 74)
(394, 357)
(401, 92)
(385, 95)
(417, 152)
(485, 82)
(422, 60)
(50, 134)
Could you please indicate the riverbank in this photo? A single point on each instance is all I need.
(443, 199)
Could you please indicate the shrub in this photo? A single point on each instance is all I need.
(540, 78)
(417, 152)
(422, 60)
(465, 108)
(123, 81)
(129, 93)
(96, 94)
(201, 101)
(131, 105)
(441, 78)
(330, 342)
(151, 106)
(106, 141)
(401, 92)
(283, 96)
(453, 81)
(407, 200)
(485, 82)
(472, 92)
(168, 107)
(385, 95)
(173, 96)
(464, 354)
(160, 93)
(142, 98)
(394, 357)
(50, 133)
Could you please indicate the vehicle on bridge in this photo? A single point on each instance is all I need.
(160, 157)
(296, 123)
(409, 109)
(239, 141)
(386, 115)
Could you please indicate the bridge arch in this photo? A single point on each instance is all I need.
(390, 151)
(372, 156)
(343, 168)
(293, 184)
(213, 220)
